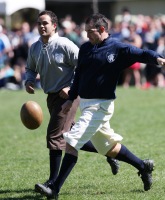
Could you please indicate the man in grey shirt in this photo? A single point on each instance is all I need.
(54, 58)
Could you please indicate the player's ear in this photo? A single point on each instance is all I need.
(101, 29)
(55, 25)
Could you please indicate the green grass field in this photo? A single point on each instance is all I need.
(139, 117)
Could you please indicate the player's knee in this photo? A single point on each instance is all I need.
(114, 150)
(71, 150)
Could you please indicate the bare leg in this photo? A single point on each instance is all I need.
(137, 77)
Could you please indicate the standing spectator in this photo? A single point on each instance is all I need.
(133, 39)
(7, 51)
(116, 31)
(7, 74)
(2, 47)
(159, 77)
(68, 31)
(151, 37)
(8, 48)
(22, 40)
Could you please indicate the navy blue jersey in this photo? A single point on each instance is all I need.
(100, 66)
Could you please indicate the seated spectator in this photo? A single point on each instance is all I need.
(7, 77)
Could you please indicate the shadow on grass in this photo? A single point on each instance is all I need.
(22, 192)
(39, 197)
(138, 191)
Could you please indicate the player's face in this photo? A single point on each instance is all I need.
(93, 34)
(45, 27)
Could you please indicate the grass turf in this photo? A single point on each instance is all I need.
(139, 117)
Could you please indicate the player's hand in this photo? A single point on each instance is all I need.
(64, 93)
(161, 61)
(66, 106)
(29, 87)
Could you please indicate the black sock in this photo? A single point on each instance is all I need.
(89, 147)
(55, 160)
(128, 157)
(67, 165)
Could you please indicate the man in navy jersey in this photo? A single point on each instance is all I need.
(100, 62)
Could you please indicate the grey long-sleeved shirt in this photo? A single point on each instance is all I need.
(55, 62)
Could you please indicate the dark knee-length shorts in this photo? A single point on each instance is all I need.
(58, 122)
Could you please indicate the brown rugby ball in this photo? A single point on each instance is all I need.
(31, 115)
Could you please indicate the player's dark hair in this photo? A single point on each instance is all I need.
(51, 14)
(98, 20)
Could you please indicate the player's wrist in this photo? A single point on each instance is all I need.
(28, 83)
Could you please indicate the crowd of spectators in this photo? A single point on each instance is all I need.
(147, 32)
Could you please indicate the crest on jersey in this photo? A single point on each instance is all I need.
(110, 57)
(59, 57)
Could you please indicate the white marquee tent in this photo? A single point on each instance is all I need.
(8, 7)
